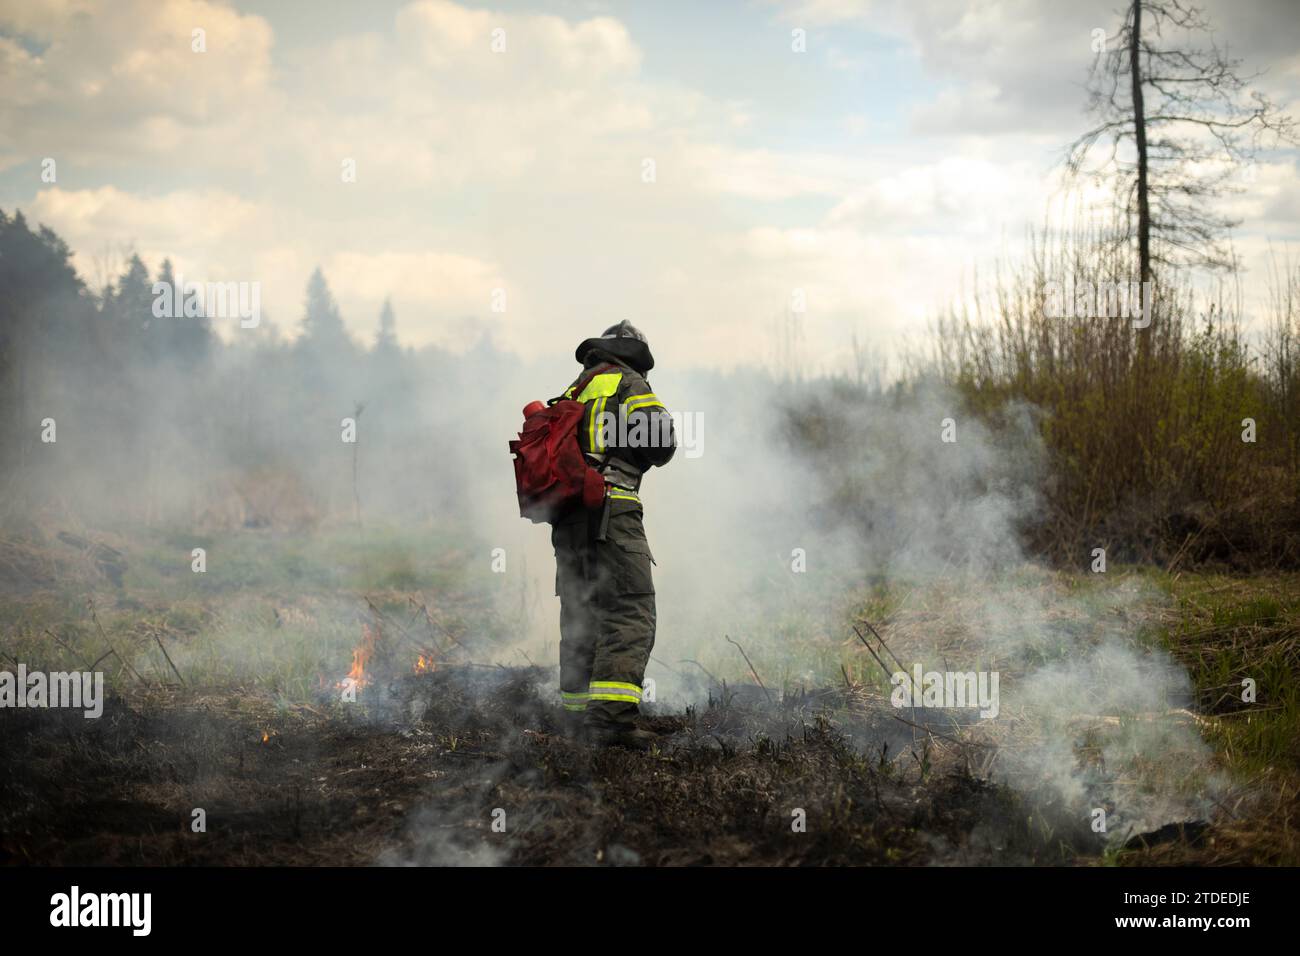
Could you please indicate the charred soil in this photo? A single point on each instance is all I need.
(468, 765)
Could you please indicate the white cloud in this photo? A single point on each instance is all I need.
(522, 169)
(197, 230)
(423, 285)
(112, 81)
(955, 194)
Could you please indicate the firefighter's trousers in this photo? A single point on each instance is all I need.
(607, 611)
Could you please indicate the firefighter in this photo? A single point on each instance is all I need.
(603, 561)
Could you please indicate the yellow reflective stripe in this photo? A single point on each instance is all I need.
(615, 690)
(648, 400)
(602, 386)
(626, 494)
(594, 434)
(575, 700)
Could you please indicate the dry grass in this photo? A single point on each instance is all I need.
(1143, 426)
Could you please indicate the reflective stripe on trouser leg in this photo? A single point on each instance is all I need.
(615, 690)
(574, 701)
(627, 621)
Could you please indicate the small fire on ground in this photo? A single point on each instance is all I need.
(359, 676)
(361, 655)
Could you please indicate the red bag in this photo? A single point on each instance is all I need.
(551, 473)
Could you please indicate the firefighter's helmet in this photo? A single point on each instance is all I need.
(625, 342)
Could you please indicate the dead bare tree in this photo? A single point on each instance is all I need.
(1175, 121)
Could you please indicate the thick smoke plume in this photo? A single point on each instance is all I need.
(795, 506)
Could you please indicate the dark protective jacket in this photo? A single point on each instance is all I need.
(626, 429)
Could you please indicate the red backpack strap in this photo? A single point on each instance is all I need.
(583, 382)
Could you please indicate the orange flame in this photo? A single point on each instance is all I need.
(265, 736)
(425, 665)
(361, 655)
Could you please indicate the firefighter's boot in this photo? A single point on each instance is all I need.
(627, 738)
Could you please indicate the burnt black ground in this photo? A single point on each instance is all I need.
(419, 769)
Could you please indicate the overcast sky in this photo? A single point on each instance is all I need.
(912, 143)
